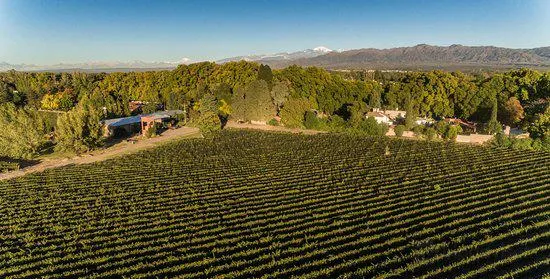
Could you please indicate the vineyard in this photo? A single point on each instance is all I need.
(274, 205)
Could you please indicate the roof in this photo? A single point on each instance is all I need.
(461, 122)
(164, 113)
(395, 113)
(117, 122)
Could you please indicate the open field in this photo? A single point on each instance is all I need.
(254, 204)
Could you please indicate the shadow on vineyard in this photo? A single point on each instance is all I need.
(250, 204)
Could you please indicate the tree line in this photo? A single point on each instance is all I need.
(211, 94)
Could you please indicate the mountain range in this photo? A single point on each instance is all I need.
(419, 57)
(430, 57)
(96, 66)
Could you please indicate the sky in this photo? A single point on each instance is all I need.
(71, 31)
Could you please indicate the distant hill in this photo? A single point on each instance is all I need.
(427, 57)
(117, 66)
(419, 57)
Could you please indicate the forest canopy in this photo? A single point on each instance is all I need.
(250, 91)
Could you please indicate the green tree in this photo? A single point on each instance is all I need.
(369, 126)
(208, 121)
(265, 74)
(410, 116)
(441, 127)
(253, 102)
(399, 130)
(431, 133)
(279, 94)
(512, 112)
(540, 128)
(79, 130)
(452, 132)
(6, 95)
(292, 113)
(494, 126)
(23, 132)
(311, 121)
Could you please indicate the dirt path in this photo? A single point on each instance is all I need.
(236, 125)
(115, 150)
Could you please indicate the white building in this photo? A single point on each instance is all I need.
(379, 117)
(395, 114)
(424, 121)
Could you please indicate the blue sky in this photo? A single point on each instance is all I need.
(70, 31)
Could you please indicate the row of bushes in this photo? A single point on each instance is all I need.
(503, 141)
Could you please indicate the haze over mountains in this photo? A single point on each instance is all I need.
(281, 57)
(95, 66)
(419, 57)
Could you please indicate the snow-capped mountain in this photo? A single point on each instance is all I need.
(322, 49)
(282, 56)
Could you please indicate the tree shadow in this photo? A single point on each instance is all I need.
(23, 163)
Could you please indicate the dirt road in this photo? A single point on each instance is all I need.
(118, 149)
(236, 125)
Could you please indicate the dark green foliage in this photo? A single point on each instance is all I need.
(430, 133)
(399, 130)
(22, 132)
(279, 94)
(311, 121)
(502, 141)
(435, 94)
(273, 122)
(441, 127)
(265, 74)
(419, 130)
(540, 127)
(452, 132)
(293, 112)
(50, 119)
(79, 130)
(208, 120)
(370, 127)
(253, 102)
(493, 126)
(336, 124)
(410, 117)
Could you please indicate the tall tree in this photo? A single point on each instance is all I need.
(253, 103)
(512, 112)
(494, 126)
(265, 74)
(293, 112)
(79, 130)
(279, 94)
(23, 132)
